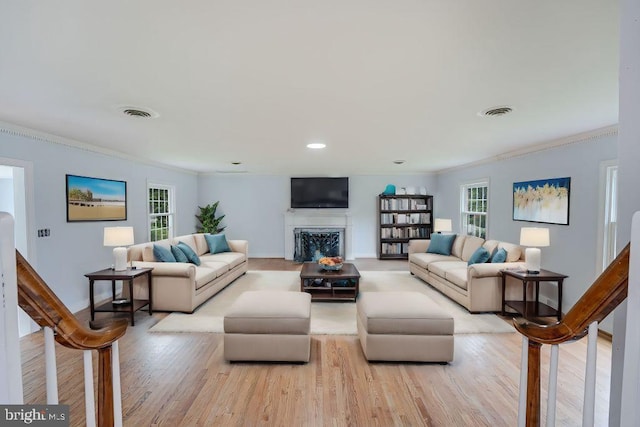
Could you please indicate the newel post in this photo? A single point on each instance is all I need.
(105, 388)
(533, 385)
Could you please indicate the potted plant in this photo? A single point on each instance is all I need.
(208, 221)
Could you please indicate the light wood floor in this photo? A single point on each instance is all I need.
(182, 380)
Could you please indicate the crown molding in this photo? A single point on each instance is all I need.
(543, 146)
(16, 130)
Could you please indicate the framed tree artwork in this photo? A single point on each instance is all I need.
(543, 200)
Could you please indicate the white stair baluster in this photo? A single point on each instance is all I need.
(89, 397)
(522, 399)
(50, 367)
(590, 377)
(553, 386)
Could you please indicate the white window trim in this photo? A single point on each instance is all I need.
(172, 206)
(476, 182)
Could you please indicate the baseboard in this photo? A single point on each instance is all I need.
(605, 335)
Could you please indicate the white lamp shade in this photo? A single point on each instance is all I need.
(118, 236)
(534, 237)
(442, 224)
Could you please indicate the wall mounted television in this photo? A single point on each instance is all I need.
(309, 193)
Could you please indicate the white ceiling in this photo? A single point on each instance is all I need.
(254, 81)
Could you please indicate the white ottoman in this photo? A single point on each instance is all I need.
(268, 326)
(403, 326)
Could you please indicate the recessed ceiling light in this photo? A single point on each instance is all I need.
(316, 145)
(496, 111)
(399, 162)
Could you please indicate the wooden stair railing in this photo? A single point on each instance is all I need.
(46, 309)
(604, 295)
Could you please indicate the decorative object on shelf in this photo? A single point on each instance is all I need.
(390, 190)
(118, 237)
(534, 238)
(544, 200)
(442, 224)
(95, 199)
(208, 221)
(334, 263)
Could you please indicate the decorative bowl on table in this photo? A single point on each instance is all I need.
(331, 263)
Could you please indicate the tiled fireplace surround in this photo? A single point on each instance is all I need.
(321, 219)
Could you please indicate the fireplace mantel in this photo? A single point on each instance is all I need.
(316, 218)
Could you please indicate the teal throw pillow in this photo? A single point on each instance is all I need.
(163, 254)
(481, 255)
(189, 253)
(441, 244)
(499, 256)
(178, 254)
(217, 243)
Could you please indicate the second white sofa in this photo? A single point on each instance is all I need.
(477, 287)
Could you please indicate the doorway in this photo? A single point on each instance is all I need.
(16, 198)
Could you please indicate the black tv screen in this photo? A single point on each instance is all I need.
(319, 192)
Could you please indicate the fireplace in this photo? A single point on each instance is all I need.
(317, 220)
(312, 243)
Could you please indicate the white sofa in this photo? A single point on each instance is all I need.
(183, 286)
(477, 287)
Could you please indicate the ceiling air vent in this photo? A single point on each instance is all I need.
(496, 111)
(145, 113)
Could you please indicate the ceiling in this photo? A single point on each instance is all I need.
(254, 81)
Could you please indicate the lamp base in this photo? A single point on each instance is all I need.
(532, 260)
(120, 258)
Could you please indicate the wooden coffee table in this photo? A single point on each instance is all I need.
(328, 285)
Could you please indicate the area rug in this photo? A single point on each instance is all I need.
(327, 318)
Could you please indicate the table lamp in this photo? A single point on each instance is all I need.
(534, 238)
(119, 237)
(442, 224)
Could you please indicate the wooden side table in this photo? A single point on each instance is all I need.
(127, 275)
(532, 308)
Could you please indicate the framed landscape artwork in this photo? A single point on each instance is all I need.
(544, 200)
(95, 199)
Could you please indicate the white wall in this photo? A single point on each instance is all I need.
(6, 195)
(573, 249)
(255, 205)
(74, 249)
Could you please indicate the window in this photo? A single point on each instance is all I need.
(609, 249)
(161, 212)
(474, 201)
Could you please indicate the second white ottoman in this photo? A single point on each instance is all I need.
(268, 326)
(403, 326)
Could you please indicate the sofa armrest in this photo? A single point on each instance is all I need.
(241, 246)
(488, 269)
(418, 245)
(173, 269)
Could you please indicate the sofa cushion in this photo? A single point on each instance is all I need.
(491, 246)
(424, 259)
(201, 244)
(441, 244)
(480, 256)
(456, 249)
(163, 254)
(457, 276)
(232, 258)
(471, 244)
(147, 252)
(440, 268)
(500, 256)
(189, 252)
(217, 243)
(514, 252)
(178, 254)
(204, 275)
(219, 267)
